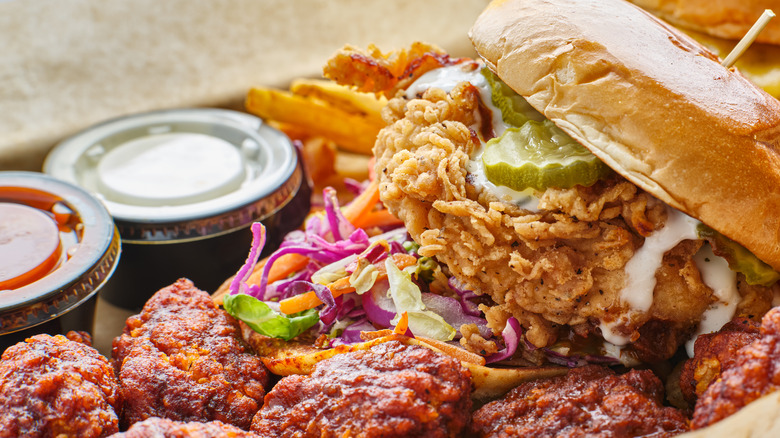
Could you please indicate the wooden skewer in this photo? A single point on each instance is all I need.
(748, 39)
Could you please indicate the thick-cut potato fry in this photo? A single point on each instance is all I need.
(352, 132)
(341, 97)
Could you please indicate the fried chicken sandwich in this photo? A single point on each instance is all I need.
(597, 176)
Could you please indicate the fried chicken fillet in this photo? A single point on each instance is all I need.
(555, 268)
(183, 358)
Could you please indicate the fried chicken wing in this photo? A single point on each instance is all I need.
(183, 358)
(754, 373)
(588, 402)
(391, 390)
(713, 354)
(156, 427)
(51, 386)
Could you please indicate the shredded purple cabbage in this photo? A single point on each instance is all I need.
(379, 308)
(454, 313)
(339, 225)
(512, 334)
(466, 295)
(238, 285)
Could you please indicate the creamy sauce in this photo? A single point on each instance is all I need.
(447, 78)
(525, 199)
(611, 334)
(715, 273)
(640, 270)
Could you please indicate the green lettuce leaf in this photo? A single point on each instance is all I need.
(266, 321)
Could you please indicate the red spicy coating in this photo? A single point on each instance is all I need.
(713, 354)
(163, 428)
(51, 386)
(390, 390)
(183, 358)
(756, 372)
(588, 402)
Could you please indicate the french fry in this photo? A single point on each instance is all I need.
(352, 132)
(340, 96)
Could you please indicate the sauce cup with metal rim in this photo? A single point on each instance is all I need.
(58, 248)
(183, 187)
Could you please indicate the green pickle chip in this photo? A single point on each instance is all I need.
(515, 110)
(535, 153)
(539, 155)
(739, 258)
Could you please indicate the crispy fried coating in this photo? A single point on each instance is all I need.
(562, 265)
(183, 358)
(51, 386)
(164, 428)
(755, 372)
(591, 401)
(391, 390)
(714, 353)
(386, 73)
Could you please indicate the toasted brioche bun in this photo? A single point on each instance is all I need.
(729, 19)
(650, 102)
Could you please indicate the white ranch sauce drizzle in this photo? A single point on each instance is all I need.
(447, 78)
(716, 274)
(641, 269)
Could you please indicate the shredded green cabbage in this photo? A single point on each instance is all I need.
(407, 297)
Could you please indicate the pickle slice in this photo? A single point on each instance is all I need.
(539, 155)
(515, 110)
(739, 258)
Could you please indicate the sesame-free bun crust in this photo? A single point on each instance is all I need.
(730, 19)
(651, 103)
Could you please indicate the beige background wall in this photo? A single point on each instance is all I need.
(67, 64)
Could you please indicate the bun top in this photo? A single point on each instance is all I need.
(651, 103)
(730, 19)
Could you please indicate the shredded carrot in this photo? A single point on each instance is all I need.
(453, 351)
(403, 324)
(363, 203)
(282, 268)
(378, 218)
(402, 260)
(309, 300)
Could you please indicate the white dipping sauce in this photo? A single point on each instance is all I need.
(170, 169)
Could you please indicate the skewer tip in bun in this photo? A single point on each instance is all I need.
(729, 19)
